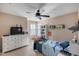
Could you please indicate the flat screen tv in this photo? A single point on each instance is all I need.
(15, 30)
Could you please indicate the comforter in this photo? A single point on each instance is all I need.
(51, 48)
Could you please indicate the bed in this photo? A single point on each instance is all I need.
(53, 48)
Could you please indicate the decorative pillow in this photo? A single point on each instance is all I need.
(64, 44)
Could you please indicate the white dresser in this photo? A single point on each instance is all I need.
(14, 41)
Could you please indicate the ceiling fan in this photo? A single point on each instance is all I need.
(39, 15)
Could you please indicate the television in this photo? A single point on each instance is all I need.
(15, 30)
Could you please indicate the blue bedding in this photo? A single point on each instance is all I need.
(52, 48)
(64, 44)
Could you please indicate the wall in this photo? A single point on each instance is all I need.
(65, 34)
(8, 20)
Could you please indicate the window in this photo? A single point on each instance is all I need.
(32, 29)
(39, 30)
(35, 29)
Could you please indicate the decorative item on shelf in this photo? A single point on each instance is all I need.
(42, 29)
(43, 26)
(42, 33)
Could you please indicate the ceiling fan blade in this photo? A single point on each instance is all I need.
(45, 15)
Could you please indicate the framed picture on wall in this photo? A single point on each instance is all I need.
(52, 26)
(58, 26)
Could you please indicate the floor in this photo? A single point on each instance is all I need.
(25, 51)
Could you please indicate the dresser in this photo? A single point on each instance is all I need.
(14, 41)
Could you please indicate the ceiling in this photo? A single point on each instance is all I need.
(52, 9)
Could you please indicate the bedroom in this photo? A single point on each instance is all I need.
(52, 24)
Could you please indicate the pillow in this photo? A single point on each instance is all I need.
(64, 44)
